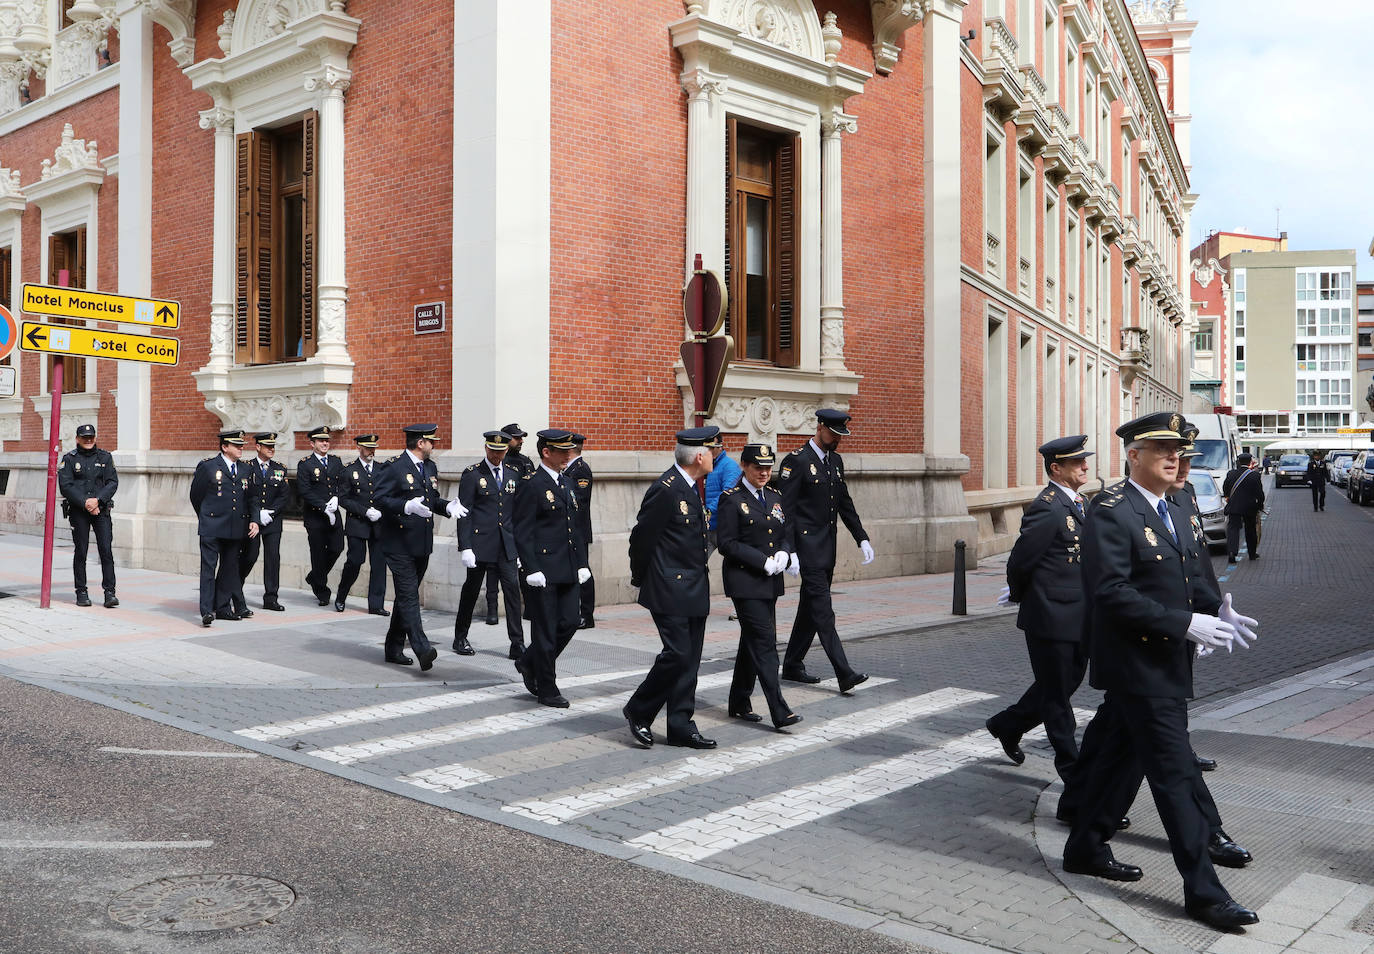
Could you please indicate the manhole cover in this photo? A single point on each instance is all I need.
(202, 902)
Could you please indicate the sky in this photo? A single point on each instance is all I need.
(1281, 121)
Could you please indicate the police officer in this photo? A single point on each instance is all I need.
(1146, 616)
(486, 539)
(407, 494)
(578, 474)
(318, 477)
(1316, 479)
(755, 540)
(668, 564)
(815, 496)
(522, 466)
(1243, 489)
(548, 537)
(222, 501)
(269, 493)
(88, 481)
(1044, 577)
(356, 489)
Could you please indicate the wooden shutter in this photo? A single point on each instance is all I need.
(78, 266)
(263, 180)
(731, 126)
(57, 258)
(244, 299)
(60, 258)
(5, 266)
(310, 201)
(253, 332)
(789, 179)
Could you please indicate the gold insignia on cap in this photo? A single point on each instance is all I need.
(682, 505)
(767, 451)
(1150, 537)
(1068, 522)
(1176, 423)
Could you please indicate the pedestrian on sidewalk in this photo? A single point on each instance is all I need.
(88, 481)
(223, 505)
(668, 564)
(1243, 489)
(755, 540)
(725, 475)
(815, 496)
(318, 478)
(357, 490)
(548, 538)
(268, 494)
(1044, 575)
(486, 541)
(1317, 476)
(578, 474)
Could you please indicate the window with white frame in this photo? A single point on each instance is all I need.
(1333, 321)
(1240, 392)
(1202, 338)
(994, 203)
(1334, 285)
(1025, 32)
(1240, 357)
(1306, 392)
(1307, 322)
(1333, 391)
(1050, 53)
(1071, 267)
(1306, 286)
(1025, 229)
(1052, 290)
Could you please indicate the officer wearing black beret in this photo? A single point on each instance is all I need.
(1044, 576)
(269, 493)
(668, 564)
(357, 489)
(222, 501)
(578, 473)
(88, 481)
(486, 540)
(319, 476)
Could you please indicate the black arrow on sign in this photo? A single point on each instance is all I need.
(33, 338)
(164, 313)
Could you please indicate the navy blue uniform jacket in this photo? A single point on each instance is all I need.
(221, 502)
(748, 534)
(398, 481)
(815, 496)
(668, 549)
(489, 528)
(357, 491)
(547, 536)
(1043, 570)
(270, 494)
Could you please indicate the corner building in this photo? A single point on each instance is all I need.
(960, 220)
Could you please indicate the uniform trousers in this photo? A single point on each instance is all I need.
(672, 679)
(815, 617)
(1319, 496)
(493, 582)
(360, 548)
(757, 657)
(1154, 731)
(1058, 666)
(552, 610)
(587, 599)
(82, 524)
(510, 589)
(221, 587)
(407, 573)
(269, 545)
(326, 543)
(1234, 522)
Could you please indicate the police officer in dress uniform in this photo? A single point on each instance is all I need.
(222, 501)
(88, 481)
(815, 496)
(668, 564)
(579, 476)
(268, 494)
(1146, 612)
(318, 477)
(548, 537)
(755, 540)
(1243, 489)
(522, 466)
(406, 491)
(357, 490)
(1044, 576)
(1317, 476)
(486, 539)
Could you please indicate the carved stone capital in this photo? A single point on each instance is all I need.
(892, 18)
(333, 80)
(703, 84)
(217, 118)
(836, 122)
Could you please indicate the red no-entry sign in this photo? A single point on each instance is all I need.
(9, 332)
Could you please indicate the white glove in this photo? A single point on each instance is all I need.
(332, 506)
(1004, 597)
(330, 516)
(775, 563)
(264, 517)
(537, 580)
(1244, 625)
(794, 568)
(1203, 651)
(418, 508)
(456, 511)
(518, 564)
(1210, 631)
(583, 575)
(373, 514)
(867, 549)
(469, 559)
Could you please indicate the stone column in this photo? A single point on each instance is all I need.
(331, 344)
(221, 120)
(705, 169)
(135, 211)
(833, 127)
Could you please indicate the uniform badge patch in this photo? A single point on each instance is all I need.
(549, 494)
(510, 486)
(317, 472)
(584, 483)
(776, 513)
(63, 464)
(813, 470)
(682, 505)
(410, 478)
(77, 465)
(1150, 537)
(482, 482)
(1068, 522)
(743, 507)
(786, 472)
(355, 476)
(219, 475)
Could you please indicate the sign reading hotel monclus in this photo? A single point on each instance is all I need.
(99, 306)
(429, 318)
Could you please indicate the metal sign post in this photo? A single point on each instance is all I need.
(49, 512)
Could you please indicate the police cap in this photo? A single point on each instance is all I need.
(266, 439)
(320, 433)
(557, 438)
(760, 455)
(423, 432)
(367, 440)
(699, 436)
(1160, 425)
(1074, 447)
(514, 430)
(231, 437)
(496, 440)
(86, 430)
(836, 420)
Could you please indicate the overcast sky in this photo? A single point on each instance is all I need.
(1280, 102)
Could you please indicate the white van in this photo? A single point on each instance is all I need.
(1219, 441)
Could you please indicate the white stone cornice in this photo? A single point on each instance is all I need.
(891, 19)
(1123, 29)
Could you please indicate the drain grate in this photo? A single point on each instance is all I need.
(182, 904)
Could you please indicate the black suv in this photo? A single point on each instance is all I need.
(1359, 486)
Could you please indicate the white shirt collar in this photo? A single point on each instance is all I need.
(1151, 499)
(817, 448)
(494, 468)
(549, 470)
(1072, 494)
(227, 462)
(685, 476)
(414, 461)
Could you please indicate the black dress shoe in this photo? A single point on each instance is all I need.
(229, 616)
(427, 659)
(1112, 870)
(274, 605)
(853, 679)
(1011, 746)
(746, 716)
(1224, 915)
(1253, 556)
(516, 651)
(83, 599)
(1205, 764)
(528, 676)
(587, 623)
(1225, 852)
(379, 612)
(799, 675)
(207, 619)
(694, 741)
(642, 734)
(557, 701)
(244, 613)
(111, 601)
(790, 719)
(1123, 823)
(401, 660)
(492, 618)
(462, 647)
(339, 606)
(1230, 560)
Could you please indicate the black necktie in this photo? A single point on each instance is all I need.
(233, 471)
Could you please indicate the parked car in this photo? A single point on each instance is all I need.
(1210, 504)
(1291, 470)
(1359, 484)
(1338, 465)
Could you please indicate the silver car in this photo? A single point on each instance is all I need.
(1210, 504)
(1338, 464)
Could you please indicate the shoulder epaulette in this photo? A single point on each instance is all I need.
(1112, 499)
(1048, 496)
(471, 467)
(726, 493)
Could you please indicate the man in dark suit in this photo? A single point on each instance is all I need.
(318, 477)
(755, 540)
(668, 564)
(407, 494)
(87, 480)
(1044, 576)
(269, 493)
(221, 499)
(579, 476)
(548, 537)
(1243, 489)
(1317, 477)
(486, 539)
(357, 493)
(1146, 616)
(815, 496)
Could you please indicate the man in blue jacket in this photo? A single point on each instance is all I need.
(725, 474)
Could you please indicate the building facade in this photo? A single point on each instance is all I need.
(1364, 349)
(960, 220)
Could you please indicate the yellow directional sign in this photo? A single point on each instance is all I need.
(91, 343)
(79, 303)
(1354, 430)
